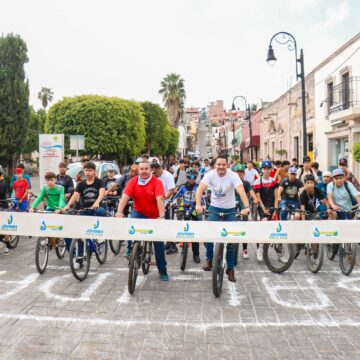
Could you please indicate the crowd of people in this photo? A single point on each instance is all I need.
(207, 187)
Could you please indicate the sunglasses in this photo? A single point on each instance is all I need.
(191, 177)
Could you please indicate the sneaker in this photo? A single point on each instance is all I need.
(164, 277)
(172, 250)
(128, 253)
(245, 254)
(78, 264)
(8, 251)
(282, 259)
(197, 259)
(259, 254)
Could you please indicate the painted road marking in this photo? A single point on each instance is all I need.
(22, 284)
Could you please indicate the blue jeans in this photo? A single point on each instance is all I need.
(95, 212)
(284, 204)
(158, 246)
(19, 207)
(230, 254)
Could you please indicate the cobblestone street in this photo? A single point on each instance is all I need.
(296, 315)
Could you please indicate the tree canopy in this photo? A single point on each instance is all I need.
(14, 98)
(112, 127)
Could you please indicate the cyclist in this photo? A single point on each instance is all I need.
(251, 174)
(21, 190)
(306, 170)
(110, 190)
(90, 192)
(266, 190)
(205, 168)
(282, 172)
(288, 194)
(169, 187)
(147, 192)
(343, 164)
(312, 199)
(25, 176)
(342, 195)
(187, 193)
(222, 182)
(326, 179)
(52, 192)
(240, 170)
(180, 174)
(4, 207)
(65, 180)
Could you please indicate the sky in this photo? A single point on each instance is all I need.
(125, 48)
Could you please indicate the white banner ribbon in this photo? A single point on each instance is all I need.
(93, 227)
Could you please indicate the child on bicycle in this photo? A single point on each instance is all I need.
(21, 190)
(52, 192)
(4, 207)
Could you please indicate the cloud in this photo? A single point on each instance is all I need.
(333, 16)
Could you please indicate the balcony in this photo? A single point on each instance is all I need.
(344, 101)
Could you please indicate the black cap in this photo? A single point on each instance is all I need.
(343, 161)
(155, 165)
(309, 177)
(306, 159)
(90, 165)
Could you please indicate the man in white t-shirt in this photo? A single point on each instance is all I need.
(223, 182)
(169, 186)
(251, 174)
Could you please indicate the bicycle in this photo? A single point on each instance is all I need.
(111, 203)
(279, 253)
(140, 257)
(44, 244)
(187, 213)
(346, 251)
(219, 259)
(81, 250)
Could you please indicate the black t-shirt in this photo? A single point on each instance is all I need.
(108, 182)
(3, 194)
(311, 202)
(89, 193)
(291, 189)
(67, 182)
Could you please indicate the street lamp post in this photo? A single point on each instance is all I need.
(284, 38)
(247, 117)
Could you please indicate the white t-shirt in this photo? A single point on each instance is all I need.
(251, 175)
(167, 180)
(222, 188)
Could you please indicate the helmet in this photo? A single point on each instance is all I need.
(266, 164)
(191, 174)
(309, 177)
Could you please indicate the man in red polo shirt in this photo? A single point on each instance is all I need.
(147, 192)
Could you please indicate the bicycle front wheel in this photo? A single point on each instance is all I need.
(331, 251)
(218, 269)
(115, 246)
(42, 249)
(279, 257)
(79, 258)
(184, 253)
(347, 256)
(60, 248)
(14, 240)
(133, 267)
(101, 250)
(314, 256)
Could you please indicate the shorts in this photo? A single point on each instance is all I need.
(262, 215)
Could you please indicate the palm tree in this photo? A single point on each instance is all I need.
(45, 95)
(173, 93)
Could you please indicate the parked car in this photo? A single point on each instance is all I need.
(101, 169)
(151, 159)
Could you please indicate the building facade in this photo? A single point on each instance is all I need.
(337, 106)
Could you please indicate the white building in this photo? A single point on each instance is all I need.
(337, 106)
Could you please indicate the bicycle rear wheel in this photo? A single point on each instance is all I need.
(146, 257)
(279, 257)
(133, 267)
(347, 256)
(314, 256)
(101, 250)
(115, 246)
(14, 240)
(60, 248)
(218, 269)
(331, 251)
(184, 253)
(79, 258)
(42, 249)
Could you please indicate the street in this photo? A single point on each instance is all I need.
(296, 315)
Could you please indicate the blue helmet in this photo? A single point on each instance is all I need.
(266, 164)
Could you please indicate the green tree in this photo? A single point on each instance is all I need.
(112, 127)
(45, 95)
(156, 124)
(14, 99)
(173, 142)
(356, 151)
(174, 95)
(32, 134)
(203, 114)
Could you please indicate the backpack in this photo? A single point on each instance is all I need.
(177, 175)
(353, 200)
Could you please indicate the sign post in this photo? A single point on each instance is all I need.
(77, 142)
(51, 153)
